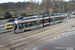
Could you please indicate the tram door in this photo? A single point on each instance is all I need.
(20, 28)
(38, 24)
(46, 22)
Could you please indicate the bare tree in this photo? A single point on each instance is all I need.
(32, 5)
(47, 5)
(0, 6)
(42, 5)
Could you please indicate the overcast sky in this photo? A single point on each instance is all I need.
(2, 1)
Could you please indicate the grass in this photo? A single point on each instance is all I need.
(1, 16)
(11, 12)
(12, 16)
(16, 16)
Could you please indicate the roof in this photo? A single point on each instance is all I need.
(8, 23)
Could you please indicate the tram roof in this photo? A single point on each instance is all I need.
(35, 19)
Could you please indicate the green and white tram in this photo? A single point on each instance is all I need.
(23, 25)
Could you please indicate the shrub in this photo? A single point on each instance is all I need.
(23, 14)
(7, 15)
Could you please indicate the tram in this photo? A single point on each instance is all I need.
(33, 23)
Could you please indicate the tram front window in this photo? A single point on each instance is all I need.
(14, 27)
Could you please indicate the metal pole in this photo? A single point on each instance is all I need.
(49, 20)
(69, 12)
(63, 8)
(26, 10)
(60, 9)
(43, 20)
(31, 6)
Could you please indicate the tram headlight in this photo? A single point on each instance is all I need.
(16, 22)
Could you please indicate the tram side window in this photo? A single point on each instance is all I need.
(46, 20)
(20, 26)
(58, 18)
(33, 23)
(61, 18)
(54, 19)
(51, 20)
(41, 21)
(29, 24)
(23, 25)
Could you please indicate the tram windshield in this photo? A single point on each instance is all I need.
(14, 27)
